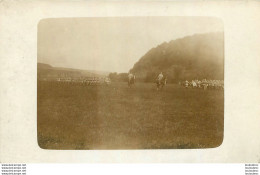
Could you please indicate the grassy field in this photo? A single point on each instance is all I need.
(116, 117)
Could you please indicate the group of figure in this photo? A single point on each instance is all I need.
(85, 81)
(161, 80)
(205, 84)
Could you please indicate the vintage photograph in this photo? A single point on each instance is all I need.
(130, 83)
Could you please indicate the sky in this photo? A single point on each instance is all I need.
(112, 44)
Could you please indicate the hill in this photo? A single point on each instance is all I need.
(50, 72)
(193, 57)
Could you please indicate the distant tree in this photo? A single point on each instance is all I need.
(178, 72)
(150, 76)
(113, 76)
(122, 77)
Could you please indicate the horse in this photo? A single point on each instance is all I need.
(161, 83)
(131, 81)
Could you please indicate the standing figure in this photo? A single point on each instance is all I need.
(160, 81)
(186, 84)
(131, 79)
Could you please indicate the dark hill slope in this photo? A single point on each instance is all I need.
(198, 56)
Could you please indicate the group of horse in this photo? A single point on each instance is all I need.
(160, 83)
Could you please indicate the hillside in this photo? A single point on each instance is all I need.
(198, 56)
(49, 72)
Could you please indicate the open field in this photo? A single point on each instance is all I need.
(116, 117)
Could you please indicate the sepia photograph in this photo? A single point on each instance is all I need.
(120, 83)
(149, 82)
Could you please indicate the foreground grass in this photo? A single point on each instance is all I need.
(116, 117)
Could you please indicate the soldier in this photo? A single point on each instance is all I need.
(160, 77)
(131, 79)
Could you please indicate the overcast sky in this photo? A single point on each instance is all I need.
(112, 44)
